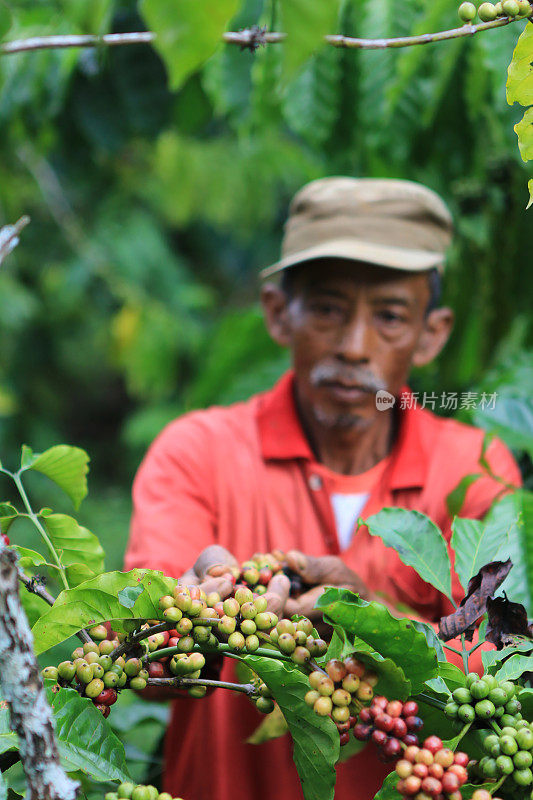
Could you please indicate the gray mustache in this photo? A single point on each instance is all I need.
(330, 373)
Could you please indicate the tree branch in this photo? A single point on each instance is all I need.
(249, 38)
(20, 681)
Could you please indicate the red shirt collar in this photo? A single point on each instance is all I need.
(282, 436)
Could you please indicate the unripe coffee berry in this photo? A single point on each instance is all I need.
(467, 12)
(487, 12)
(323, 706)
(94, 688)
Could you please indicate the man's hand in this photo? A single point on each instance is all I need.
(319, 573)
(212, 572)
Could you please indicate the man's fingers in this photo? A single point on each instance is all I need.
(305, 604)
(211, 556)
(189, 578)
(309, 568)
(277, 593)
(223, 586)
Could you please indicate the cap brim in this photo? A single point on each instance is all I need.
(355, 250)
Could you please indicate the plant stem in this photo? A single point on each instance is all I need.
(40, 591)
(473, 649)
(181, 683)
(222, 648)
(35, 519)
(453, 649)
(497, 785)
(464, 731)
(464, 654)
(137, 637)
(495, 727)
(430, 701)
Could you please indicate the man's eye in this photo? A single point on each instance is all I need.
(325, 309)
(390, 316)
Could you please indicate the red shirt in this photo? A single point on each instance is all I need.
(245, 477)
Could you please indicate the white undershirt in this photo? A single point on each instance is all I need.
(347, 508)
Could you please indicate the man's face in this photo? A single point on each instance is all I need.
(353, 329)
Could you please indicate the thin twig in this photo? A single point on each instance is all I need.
(139, 636)
(249, 38)
(182, 683)
(36, 588)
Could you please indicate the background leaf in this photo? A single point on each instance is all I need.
(475, 544)
(492, 659)
(77, 547)
(374, 625)
(188, 32)
(315, 739)
(456, 498)
(305, 25)
(418, 542)
(514, 667)
(67, 466)
(8, 515)
(96, 601)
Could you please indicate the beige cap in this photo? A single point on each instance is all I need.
(390, 223)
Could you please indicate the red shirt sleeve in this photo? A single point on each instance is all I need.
(174, 515)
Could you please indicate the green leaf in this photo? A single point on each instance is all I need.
(418, 542)
(273, 726)
(530, 188)
(85, 739)
(491, 659)
(76, 546)
(514, 667)
(28, 557)
(475, 544)
(128, 597)
(65, 465)
(187, 32)
(526, 701)
(520, 72)
(373, 624)
(512, 417)
(388, 791)
(524, 131)
(306, 24)
(8, 739)
(315, 739)
(431, 638)
(8, 515)
(96, 601)
(456, 498)
(6, 19)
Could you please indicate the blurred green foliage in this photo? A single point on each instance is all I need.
(131, 297)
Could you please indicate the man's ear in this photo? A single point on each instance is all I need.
(437, 329)
(276, 312)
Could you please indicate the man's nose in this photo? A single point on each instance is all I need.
(355, 342)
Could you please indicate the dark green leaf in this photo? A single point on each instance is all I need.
(75, 545)
(96, 601)
(8, 739)
(374, 625)
(6, 19)
(493, 658)
(431, 637)
(514, 667)
(388, 791)
(418, 542)
(8, 515)
(188, 32)
(315, 739)
(65, 465)
(525, 696)
(85, 739)
(475, 544)
(456, 498)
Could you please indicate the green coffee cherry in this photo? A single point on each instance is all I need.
(505, 765)
(185, 644)
(484, 709)
(451, 710)
(524, 738)
(286, 643)
(479, 690)
(132, 667)
(99, 632)
(466, 713)
(94, 688)
(251, 643)
(66, 670)
(248, 627)
(523, 777)
(467, 12)
(264, 704)
(301, 655)
(90, 647)
(487, 12)
(125, 790)
(525, 8)
(511, 8)
(523, 759)
(110, 679)
(84, 673)
(197, 691)
(462, 696)
(140, 793)
(201, 634)
(508, 745)
(50, 673)
(138, 684)
(236, 641)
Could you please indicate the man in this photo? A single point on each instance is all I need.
(294, 468)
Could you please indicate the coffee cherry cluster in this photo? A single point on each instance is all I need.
(489, 11)
(390, 725)
(257, 572)
(509, 753)
(339, 692)
(431, 771)
(242, 617)
(130, 791)
(296, 640)
(484, 699)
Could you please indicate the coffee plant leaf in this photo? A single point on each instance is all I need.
(530, 189)
(520, 72)
(96, 601)
(475, 543)
(29, 558)
(315, 739)
(514, 667)
(85, 739)
(418, 542)
(306, 24)
(456, 498)
(6, 19)
(187, 32)
(8, 739)
(8, 515)
(388, 791)
(273, 726)
(65, 465)
(76, 546)
(373, 624)
(512, 417)
(392, 680)
(524, 131)
(526, 701)
(449, 678)
(431, 638)
(493, 659)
